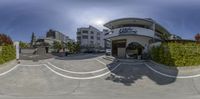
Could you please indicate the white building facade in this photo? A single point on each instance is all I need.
(131, 37)
(90, 37)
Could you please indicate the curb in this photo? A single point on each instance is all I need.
(9, 63)
(181, 70)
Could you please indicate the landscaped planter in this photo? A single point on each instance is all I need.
(7, 53)
(177, 54)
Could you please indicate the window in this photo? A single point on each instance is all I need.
(85, 31)
(78, 33)
(98, 33)
(91, 37)
(79, 38)
(98, 38)
(91, 32)
(85, 37)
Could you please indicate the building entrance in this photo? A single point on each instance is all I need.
(134, 50)
(119, 48)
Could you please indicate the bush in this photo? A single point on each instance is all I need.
(7, 53)
(177, 54)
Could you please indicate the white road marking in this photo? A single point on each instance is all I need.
(77, 72)
(171, 76)
(81, 78)
(100, 61)
(24, 65)
(85, 78)
(133, 63)
(4, 73)
(154, 70)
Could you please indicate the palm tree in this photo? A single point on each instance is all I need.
(57, 46)
(73, 47)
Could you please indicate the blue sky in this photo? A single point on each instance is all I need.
(19, 18)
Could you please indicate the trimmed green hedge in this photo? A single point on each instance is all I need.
(7, 53)
(177, 54)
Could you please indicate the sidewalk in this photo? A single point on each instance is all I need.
(182, 71)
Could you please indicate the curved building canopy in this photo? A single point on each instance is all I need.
(136, 22)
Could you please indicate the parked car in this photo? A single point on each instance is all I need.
(101, 51)
(108, 52)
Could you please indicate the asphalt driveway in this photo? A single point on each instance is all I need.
(92, 78)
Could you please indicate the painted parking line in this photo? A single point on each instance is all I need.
(100, 61)
(171, 76)
(82, 78)
(134, 63)
(16, 66)
(26, 65)
(73, 72)
(6, 72)
(85, 78)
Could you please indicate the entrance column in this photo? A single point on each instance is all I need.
(17, 49)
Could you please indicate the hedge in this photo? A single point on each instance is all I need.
(7, 53)
(177, 54)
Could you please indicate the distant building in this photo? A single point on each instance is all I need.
(175, 37)
(51, 37)
(90, 37)
(57, 36)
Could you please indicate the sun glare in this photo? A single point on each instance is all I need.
(99, 22)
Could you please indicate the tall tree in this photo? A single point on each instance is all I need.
(23, 44)
(73, 47)
(33, 39)
(57, 46)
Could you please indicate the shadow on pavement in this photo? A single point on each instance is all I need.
(80, 56)
(128, 74)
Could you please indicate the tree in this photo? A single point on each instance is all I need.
(197, 37)
(57, 46)
(70, 47)
(76, 47)
(73, 47)
(5, 40)
(23, 44)
(33, 39)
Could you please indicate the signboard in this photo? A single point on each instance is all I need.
(128, 30)
(131, 30)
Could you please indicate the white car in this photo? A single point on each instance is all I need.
(108, 51)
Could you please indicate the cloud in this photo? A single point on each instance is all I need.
(25, 16)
